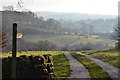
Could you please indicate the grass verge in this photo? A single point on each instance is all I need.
(94, 69)
(61, 65)
(109, 56)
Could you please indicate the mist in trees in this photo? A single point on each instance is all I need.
(116, 34)
(42, 45)
(86, 46)
(46, 46)
(31, 24)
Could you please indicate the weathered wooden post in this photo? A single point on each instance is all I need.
(14, 47)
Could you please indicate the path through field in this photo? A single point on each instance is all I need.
(78, 71)
(111, 70)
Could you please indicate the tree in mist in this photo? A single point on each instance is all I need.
(117, 29)
(46, 45)
(116, 35)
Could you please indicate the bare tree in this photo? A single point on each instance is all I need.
(116, 35)
(3, 40)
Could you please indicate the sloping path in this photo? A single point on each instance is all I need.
(78, 71)
(111, 70)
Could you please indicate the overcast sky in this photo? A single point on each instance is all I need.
(105, 7)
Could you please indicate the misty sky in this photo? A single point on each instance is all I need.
(106, 7)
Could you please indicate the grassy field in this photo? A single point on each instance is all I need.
(95, 70)
(61, 64)
(62, 40)
(110, 56)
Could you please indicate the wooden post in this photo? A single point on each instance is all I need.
(14, 47)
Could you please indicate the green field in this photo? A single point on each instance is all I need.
(61, 40)
(96, 72)
(110, 56)
(60, 63)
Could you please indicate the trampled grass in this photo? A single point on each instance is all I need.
(60, 63)
(110, 56)
(95, 70)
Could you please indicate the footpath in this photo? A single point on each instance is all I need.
(111, 70)
(78, 71)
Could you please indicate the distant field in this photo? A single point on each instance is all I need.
(61, 64)
(111, 57)
(61, 40)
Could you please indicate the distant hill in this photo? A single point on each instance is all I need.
(28, 23)
(101, 23)
(60, 32)
(72, 16)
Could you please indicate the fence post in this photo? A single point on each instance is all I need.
(14, 47)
